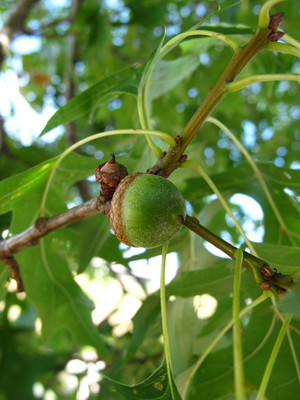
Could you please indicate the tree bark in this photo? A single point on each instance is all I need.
(14, 24)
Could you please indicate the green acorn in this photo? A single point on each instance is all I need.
(144, 210)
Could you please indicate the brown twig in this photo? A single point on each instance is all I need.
(11, 262)
(172, 159)
(43, 226)
(268, 278)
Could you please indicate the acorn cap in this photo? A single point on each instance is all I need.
(115, 214)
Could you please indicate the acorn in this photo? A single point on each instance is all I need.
(144, 210)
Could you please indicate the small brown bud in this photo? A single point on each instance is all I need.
(183, 158)
(15, 272)
(275, 21)
(275, 36)
(40, 223)
(265, 285)
(178, 140)
(267, 271)
(281, 291)
(109, 175)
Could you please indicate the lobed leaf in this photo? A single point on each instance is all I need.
(142, 321)
(155, 387)
(61, 304)
(216, 281)
(290, 302)
(258, 335)
(285, 258)
(18, 187)
(168, 74)
(125, 81)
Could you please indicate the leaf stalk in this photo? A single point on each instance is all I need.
(237, 339)
(164, 320)
(272, 359)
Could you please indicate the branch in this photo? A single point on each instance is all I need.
(15, 273)
(14, 24)
(173, 157)
(43, 226)
(267, 277)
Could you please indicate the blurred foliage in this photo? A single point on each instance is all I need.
(86, 62)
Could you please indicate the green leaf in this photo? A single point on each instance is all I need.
(4, 274)
(168, 74)
(25, 362)
(290, 302)
(183, 327)
(144, 99)
(228, 29)
(285, 258)
(215, 281)
(283, 186)
(125, 81)
(61, 304)
(60, 301)
(249, 396)
(243, 179)
(260, 330)
(142, 321)
(222, 315)
(94, 236)
(155, 387)
(73, 168)
(13, 189)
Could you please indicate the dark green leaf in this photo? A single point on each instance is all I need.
(120, 82)
(243, 179)
(215, 281)
(168, 74)
(23, 363)
(155, 387)
(18, 187)
(4, 274)
(60, 302)
(142, 321)
(258, 336)
(222, 315)
(290, 302)
(249, 396)
(94, 236)
(285, 258)
(227, 29)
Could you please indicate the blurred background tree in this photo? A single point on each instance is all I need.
(52, 51)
